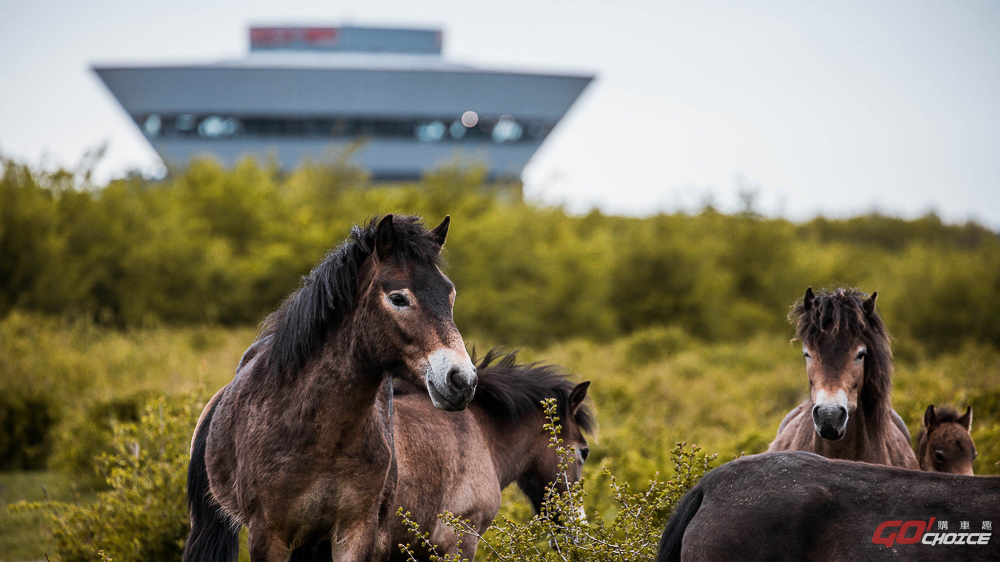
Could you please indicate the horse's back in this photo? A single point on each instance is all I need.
(801, 506)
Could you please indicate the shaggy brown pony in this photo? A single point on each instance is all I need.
(848, 414)
(299, 447)
(944, 443)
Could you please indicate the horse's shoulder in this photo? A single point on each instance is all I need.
(790, 416)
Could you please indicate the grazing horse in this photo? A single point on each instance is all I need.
(460, 462)
(299, 447)
(848, 414)
(795, 506)
(944, 443)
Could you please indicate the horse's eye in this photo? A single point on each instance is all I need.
(938, 456)
(806, 355)
(584, 453)
(861, 355)
(399, 300)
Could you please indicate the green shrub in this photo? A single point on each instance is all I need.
(26, 424)
(653, 344)
(224, 246)
(143, 514)
(91, 435)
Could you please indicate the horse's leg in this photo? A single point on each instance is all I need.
(265, 546)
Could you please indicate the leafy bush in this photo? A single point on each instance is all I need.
(88, 436)
(26, 423)
(143, 514)
(223, 246)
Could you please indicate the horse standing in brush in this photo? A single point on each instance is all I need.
(460, 462)
(848, 414)
(299, 447)
(944, 443)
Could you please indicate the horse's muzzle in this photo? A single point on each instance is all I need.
(451, 379)
(830, 421)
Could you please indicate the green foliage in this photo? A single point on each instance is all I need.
(224, 246)
(143, 515)
(87, 437)
(26, 424)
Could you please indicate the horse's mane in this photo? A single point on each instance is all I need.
(510, 391)
(296, 331)
(841, 310)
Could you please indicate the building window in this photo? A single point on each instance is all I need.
(468, 127)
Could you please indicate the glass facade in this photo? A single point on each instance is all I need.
(464, 128)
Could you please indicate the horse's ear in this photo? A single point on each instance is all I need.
(929, 417)
(869, 304)
(577, 397)
(440, 231)
(807, 301)
(966, 419)
(385, 237)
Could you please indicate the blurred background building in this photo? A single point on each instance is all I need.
(309, 92)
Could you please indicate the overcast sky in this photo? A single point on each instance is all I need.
(834, 107)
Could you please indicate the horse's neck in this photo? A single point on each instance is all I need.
(338, 382)
(511, 446)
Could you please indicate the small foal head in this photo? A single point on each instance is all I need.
(406, 304)
(847, 355)
(944, 443)
(574, 418)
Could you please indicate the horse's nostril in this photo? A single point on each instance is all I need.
(455, 377)
(842, 417)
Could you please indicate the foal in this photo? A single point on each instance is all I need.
(944, 443)
(460, 462)
(849, 365)
(299, 447)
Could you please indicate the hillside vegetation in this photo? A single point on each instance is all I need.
(122, 307)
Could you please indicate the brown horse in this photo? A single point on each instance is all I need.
(796, 506)
(299, 447)
(944, 443)
(460, 462)
(848, 414)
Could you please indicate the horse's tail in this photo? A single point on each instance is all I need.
(670, 543)
(213, 536)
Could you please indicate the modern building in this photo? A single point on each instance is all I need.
(310, 92)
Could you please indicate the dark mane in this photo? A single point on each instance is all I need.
(841, 311)
(511, 391)
(297, 330)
